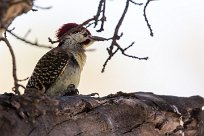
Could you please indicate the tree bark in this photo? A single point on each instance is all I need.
(140, 114)
(10, 9)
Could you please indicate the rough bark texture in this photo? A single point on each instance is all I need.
(140, 114)
(10, 9)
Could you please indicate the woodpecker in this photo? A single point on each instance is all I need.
(62, 65)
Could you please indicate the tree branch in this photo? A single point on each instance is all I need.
(145, 17)
(16, 85)
(128, 114)
(109, 58)
(28, 42)
(116, 37)
(43, 8)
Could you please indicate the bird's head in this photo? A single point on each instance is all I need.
(76, 34)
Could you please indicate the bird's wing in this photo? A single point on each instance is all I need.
(48, 68)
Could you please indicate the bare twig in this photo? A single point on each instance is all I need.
(28, 42)
(16, 80)
(34, 10)
(98, 12)
(136, 3)
(43, 8)
(27, 33)
(103, 18)
(145, 17)
(109, 58)
(21, 80)
(51, 41)
(131, 56)
(16, 85)
(87, 22)
(116, 37)
(19, 85)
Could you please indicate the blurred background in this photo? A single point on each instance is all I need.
(176, 52)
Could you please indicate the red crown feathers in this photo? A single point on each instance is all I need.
(67, 27)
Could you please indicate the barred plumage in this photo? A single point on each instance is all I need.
(49, 68)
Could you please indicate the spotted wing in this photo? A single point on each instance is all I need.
(48, 68)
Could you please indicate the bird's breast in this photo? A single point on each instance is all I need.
(70, 75)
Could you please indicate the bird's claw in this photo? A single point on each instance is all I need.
(93, 94)
(71, 90)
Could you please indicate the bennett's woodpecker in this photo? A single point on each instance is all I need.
(62, 65)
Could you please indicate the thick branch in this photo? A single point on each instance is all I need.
(140, 114)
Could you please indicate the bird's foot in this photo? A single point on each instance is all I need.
(71, 90)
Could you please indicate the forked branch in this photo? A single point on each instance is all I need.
(14, 73)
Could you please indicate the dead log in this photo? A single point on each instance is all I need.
(129, 114)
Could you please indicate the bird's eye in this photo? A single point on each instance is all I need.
(85, 34)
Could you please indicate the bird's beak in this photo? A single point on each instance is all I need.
(97, 38)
